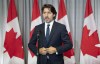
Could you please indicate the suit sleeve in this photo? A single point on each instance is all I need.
(32, 43)
(67, 44)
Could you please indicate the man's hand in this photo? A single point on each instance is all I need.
(43, 51)
(51, 50)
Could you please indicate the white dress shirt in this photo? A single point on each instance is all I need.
(51, 24)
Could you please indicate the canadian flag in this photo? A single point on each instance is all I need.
(90, 54)
(62, 18)
(13, 48)
(36, 20)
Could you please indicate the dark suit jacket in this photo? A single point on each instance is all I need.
(58, 36)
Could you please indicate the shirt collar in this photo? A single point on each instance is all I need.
(51, 23)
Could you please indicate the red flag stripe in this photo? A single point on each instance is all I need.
(88, 9)
(35, 10)
(62, 11)
(12, 13)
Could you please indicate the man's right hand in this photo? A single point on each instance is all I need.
(43, 51)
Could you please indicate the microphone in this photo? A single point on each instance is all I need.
(38, 34)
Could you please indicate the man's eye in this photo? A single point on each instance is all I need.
(44, 12)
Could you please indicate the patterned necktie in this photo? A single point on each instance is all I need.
(47, 32)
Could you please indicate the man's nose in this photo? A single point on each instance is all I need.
(46, 14)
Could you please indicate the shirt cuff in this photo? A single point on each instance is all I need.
(56, 53)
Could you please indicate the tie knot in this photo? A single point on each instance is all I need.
(48, 25)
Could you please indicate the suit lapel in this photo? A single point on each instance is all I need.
(43, 32)
(42, 29)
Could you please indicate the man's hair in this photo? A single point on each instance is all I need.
(51, 7)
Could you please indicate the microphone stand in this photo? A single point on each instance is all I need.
(38, 47)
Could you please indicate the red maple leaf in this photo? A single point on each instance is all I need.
(12, 45)
(89, 42)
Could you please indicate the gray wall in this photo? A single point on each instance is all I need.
(75, 12)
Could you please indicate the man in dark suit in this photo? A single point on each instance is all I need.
(53, 39)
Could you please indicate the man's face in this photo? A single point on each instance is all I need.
(48, 15)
